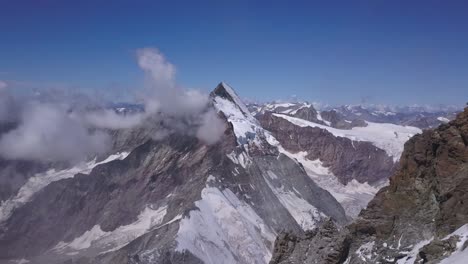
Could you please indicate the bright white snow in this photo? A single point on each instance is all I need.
(245, 125)
(147, 220)
(225, 230)
(41, 180)
(364, 252)
(388, 137)
(412, 255)
(443, 119)
(460, 256)
(236, 98)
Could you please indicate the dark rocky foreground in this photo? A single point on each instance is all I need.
(410, 220)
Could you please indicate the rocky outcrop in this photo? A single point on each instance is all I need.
(414, 217)
(338, 121)
(346, 159)
(322, 245)
(307, 113)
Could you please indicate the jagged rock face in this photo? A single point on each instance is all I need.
(323, 245)
(414, 219)
(173, 200)
(347, 160)
(307, 113)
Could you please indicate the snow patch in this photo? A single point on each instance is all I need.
(319, 117)
(241, 159)
(364, 252)
(147, 220)
(460, 256)
(225, 229)
(443, 119)
(412, 255)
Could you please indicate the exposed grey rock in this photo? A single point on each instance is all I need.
(339, 121)
(322, 245)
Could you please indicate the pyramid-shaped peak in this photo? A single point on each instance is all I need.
(225, 91)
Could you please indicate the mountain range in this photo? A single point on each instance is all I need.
(285, 183)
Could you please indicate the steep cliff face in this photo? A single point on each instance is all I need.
(422, 216)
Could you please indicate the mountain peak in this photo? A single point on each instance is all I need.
(225, 91)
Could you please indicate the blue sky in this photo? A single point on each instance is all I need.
(394, 52)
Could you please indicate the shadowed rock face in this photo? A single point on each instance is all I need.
(327, 239)
(425, 201)
(346, 159)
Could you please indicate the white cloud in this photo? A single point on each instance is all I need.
(107, 118)
(211, 128)
(48, 133)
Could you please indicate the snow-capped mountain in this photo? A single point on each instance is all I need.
(168, 200)
(349, 116)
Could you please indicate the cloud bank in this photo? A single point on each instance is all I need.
(48, 133)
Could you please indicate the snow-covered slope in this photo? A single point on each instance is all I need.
(353, 196)
(388, 137)
(225, 229)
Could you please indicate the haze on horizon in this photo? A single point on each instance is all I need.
(336, 52)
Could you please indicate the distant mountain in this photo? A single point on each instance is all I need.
(349, 116)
